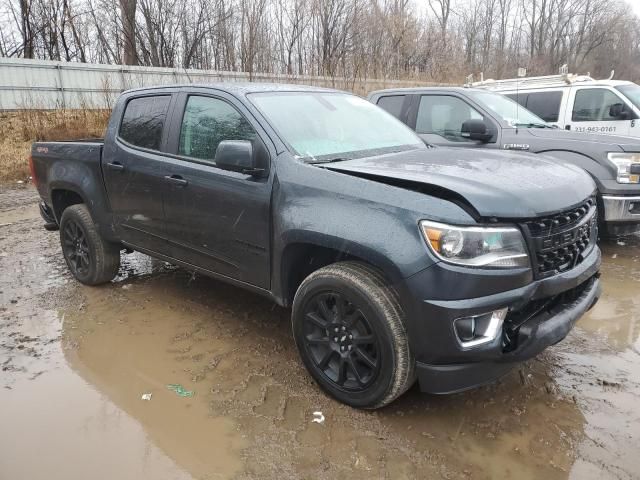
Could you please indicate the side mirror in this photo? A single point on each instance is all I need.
(237, 156)
(619, 111)
(475, 129)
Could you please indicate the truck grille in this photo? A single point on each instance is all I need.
(560, 242)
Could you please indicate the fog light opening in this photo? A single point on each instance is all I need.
(479, 329)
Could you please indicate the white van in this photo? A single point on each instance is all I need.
(576, 102)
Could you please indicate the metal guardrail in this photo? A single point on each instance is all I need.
(44, 84)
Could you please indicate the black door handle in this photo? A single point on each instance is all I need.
(117, 166)
(176, 180)
(567, 127)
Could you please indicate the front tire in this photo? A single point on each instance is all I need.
(91, 259)
(349, 328)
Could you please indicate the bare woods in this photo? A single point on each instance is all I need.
(431, 40)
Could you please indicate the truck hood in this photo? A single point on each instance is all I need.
(628, 144)
(504, 185)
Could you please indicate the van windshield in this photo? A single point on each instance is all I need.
(632, 92)
(331, 126)
(511, 112)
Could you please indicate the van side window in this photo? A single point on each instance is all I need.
(143, 121)
(521, 98)
(595, 105)
(545, 104)
(208, 121)
(392, 104)
(444, 115)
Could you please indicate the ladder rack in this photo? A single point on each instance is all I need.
(540, 82)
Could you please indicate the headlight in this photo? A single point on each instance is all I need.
(491, 247)
(628, 165)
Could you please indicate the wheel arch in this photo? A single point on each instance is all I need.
(62, 197)
(301, 258)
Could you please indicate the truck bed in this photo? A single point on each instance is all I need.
(53, 163)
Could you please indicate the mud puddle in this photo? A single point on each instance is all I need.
(72, 393)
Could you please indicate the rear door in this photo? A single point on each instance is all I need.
(134, 167)
(396, 104)
(217, 219)
(598, 110)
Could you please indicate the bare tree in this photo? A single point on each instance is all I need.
(128, 17)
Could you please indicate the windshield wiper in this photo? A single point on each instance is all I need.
(329, 160)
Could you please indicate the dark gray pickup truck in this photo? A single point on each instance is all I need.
(399, 261)
(475, 118)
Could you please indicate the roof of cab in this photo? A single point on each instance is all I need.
(419, 89)
(240, 88)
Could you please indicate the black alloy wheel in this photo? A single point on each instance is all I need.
(340, 341)
(76, 248)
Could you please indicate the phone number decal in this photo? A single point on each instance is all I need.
(595, 129)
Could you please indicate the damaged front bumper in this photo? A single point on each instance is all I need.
(539, 314)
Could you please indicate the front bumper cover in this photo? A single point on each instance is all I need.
(444, 366)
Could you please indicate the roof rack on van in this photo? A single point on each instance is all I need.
(562, 79)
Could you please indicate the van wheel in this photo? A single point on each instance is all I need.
(349, 328)
(90, 258)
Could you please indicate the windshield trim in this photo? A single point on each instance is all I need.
(347, 155)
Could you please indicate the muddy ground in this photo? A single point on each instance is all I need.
(75, 362)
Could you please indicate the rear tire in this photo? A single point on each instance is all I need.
(349, 328)
(91, 259)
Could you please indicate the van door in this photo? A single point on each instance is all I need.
(598, 110)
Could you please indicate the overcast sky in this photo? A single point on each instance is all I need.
(635, 4)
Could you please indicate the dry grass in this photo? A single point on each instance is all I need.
(18, 129)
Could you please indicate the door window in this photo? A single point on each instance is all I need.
(392, 104)
(595, 105)
(143, 121)
(545, 104)
(444, 115)
(208, 121)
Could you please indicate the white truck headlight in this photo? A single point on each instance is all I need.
(488, 247)
(628, 166)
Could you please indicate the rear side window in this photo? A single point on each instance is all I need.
(208, 121)
(545, 104)
(392, 104)
(521, 98)
(143, 121)
(594, 105)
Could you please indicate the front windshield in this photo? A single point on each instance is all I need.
(328, 125)
(510, 111)
(632, 92)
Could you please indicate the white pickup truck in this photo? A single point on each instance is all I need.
(576, 102)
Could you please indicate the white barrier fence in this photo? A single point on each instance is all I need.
(44, 84)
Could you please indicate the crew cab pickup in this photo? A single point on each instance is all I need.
(399, 261)
(476, 118)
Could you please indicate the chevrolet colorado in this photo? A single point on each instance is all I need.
(399, 261)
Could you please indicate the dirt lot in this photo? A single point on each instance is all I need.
(75, 361)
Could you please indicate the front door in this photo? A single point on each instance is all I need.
(439, 119)
(216, 219)
(134, 169)
(598, 110)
